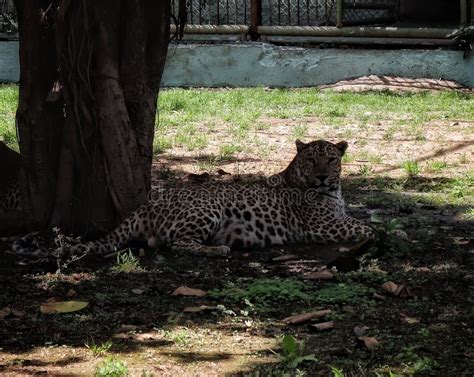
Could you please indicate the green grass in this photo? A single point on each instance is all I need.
(194, 113)
(111, 367)
(127, 263)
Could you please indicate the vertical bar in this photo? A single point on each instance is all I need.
(200, 12)
(270, 11)
(464, 16)
(289, 12)
(339, 12)
(227, 10)
(298, 12)
(236, 14)
(307, 12)
(191, 11)
(218, 12)
(255, 18)
(209, 10)
(279, 12)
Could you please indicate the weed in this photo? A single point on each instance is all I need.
(111, 367)
(227, 151)
(264, 293)
(365, 170)
(161, 144)
(127, 263)
(340, 293)
(412, 169)
(414, 363)
(435, 166)
(98, 349)
(336, 372)
(292, 352)
(180, 337)
(299, 131)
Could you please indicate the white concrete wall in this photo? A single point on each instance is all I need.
(257, 64)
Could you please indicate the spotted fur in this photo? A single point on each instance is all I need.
(303, 203)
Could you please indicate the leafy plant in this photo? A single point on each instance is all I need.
(336, 372)
(292, 352)
(127, 263)
(111, 367)
(416, 364)
(412, 169)
(98, 349)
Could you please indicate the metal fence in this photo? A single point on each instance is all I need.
(289, 12)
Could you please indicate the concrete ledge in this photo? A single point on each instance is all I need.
(260, 64)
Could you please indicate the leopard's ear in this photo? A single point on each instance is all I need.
(342, 146)
(299, 145)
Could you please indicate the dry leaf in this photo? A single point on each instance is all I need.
(395, 289)
(379, 296)
(128, 328)
(17, 313)
(222, 172)
(368, 341)
(199, 177)
(141, 253)
(5, 312)
(469, 354)
(63, 306)
(197, 309)
(185, 291)
(138, 291)
(71, 293)
(323, 326)
(461, 241)
(320, 275)
(284, 258)
(409, 320)
(360, 330)
(305, 317)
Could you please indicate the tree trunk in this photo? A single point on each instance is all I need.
(89, 79)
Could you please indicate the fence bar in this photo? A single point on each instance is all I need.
(464, 16)
(339, 13)
(213, 29)
(331, 31)
(255, 18)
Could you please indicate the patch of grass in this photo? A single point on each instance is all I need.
(127, 263)
(365, 170)
(299, 132)
(111, 367)
(341, 293)
(98, 349)
(292, 352)
(415, 364)
(435, 166)
(227, 151)
(411, 168)
(162, 143)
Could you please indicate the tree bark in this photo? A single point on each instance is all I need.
(89, 80)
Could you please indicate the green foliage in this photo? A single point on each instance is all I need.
(111, 367)
(414, 363)
(98, 349)
(127, 263)
(265, 294)
(412, 169)
(336, 372)
(292, 352)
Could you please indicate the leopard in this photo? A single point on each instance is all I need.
(301, 204)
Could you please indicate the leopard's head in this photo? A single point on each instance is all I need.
(316, 165)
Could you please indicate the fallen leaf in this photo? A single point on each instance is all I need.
(305, 317)
(461, 241)
(360, 330)
(185, 291)
(469, 354)
(409, 320)
(63, 306)
(223, 172)
(128, 328)
(368, 341)
(197, 309)
(71, 293)
(395, 289)
(5, 312)
(17, 313)
(199, 177)
(138, 291)
(323, 326)
(379, 296)
(141, 253)
(284, 258)
(320, 275)
(423, 269)
(255, 264)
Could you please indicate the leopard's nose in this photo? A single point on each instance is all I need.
(322, 178)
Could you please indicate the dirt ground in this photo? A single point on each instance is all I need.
(424, 329)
